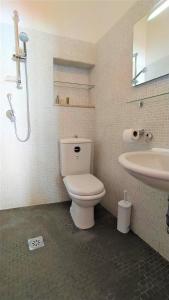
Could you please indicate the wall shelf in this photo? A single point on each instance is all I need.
(74, 85)
(147, 98)
(72, 63)
(74, 105)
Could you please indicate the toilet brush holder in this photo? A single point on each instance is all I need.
(124, 214)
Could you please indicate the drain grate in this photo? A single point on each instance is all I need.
(36, 243)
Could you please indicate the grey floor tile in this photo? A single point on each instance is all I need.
(95, 264)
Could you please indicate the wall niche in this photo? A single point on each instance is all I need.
(71, 83)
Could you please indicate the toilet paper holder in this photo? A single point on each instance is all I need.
(139, 132)
(142, 132)
(133, 135)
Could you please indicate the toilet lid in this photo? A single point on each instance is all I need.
(83, 185)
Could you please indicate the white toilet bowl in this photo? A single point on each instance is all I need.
(86, 191)
(82, 209)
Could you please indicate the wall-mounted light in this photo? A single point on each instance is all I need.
(158, 9)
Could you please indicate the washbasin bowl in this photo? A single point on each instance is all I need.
(151, 167)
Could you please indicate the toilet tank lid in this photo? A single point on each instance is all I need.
(75, 141)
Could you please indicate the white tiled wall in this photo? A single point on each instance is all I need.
(30, 171)
(113, 76)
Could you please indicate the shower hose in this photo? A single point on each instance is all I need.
(13, 118)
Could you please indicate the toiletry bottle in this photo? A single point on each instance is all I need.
(67, 100)
(57, 99)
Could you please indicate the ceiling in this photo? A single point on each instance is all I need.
(81, 19)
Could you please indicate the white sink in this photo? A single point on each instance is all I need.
(151, 167)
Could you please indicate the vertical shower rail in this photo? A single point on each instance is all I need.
(16, 56)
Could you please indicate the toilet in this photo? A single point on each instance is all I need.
(84, 189)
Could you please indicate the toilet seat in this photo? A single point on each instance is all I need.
(84, 185)
(87, 198)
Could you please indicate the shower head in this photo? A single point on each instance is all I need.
(23, 37)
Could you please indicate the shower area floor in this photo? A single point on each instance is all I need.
(95, 264)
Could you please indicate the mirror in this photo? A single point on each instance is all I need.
(151, 45)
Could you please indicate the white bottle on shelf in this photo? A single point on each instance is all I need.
(57, 99)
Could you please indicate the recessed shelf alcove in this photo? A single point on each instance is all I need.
(71, 80)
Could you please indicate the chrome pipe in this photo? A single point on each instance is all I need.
(17, 54)
(16, 21)
(142, 71)
(135, 56)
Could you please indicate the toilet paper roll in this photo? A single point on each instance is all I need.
(130, 135)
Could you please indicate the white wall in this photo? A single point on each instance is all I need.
(113, 75)
(81, 20)
(30, 171)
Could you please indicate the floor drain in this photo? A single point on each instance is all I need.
(36, 243)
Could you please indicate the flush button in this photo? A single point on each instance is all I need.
(76, 149)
